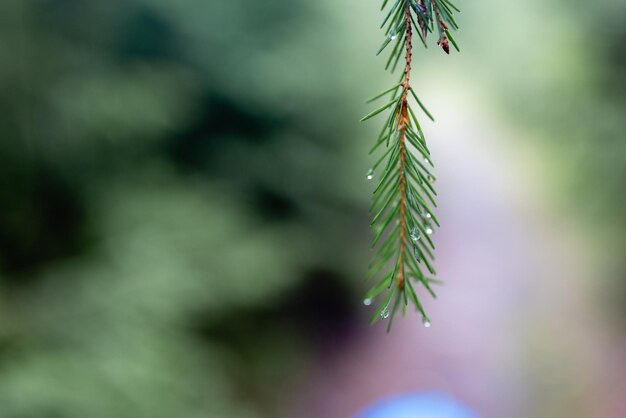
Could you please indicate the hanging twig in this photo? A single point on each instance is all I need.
(404, 197)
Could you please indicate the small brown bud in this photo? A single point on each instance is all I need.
(445, 45)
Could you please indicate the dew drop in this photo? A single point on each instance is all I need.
(384, 314)
(428, 215)
(426, 160)
(415, 236)
(367, 302)
(426, 323)
(431, 179)
(429, 230)
(394, 36)
(370, 174)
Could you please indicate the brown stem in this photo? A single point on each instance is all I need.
(421, 21)
(403, 122)
(443, 39)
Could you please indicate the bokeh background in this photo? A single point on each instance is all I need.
(183, 210)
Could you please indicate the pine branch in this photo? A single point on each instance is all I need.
(403, 218)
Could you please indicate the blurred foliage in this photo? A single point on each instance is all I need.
(604, 155)
(170, 239)
(183, 205)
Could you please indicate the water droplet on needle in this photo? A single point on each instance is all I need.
(384, 314)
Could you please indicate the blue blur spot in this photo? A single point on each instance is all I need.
(418, 405)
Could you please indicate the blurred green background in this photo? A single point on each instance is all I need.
(183, 210)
